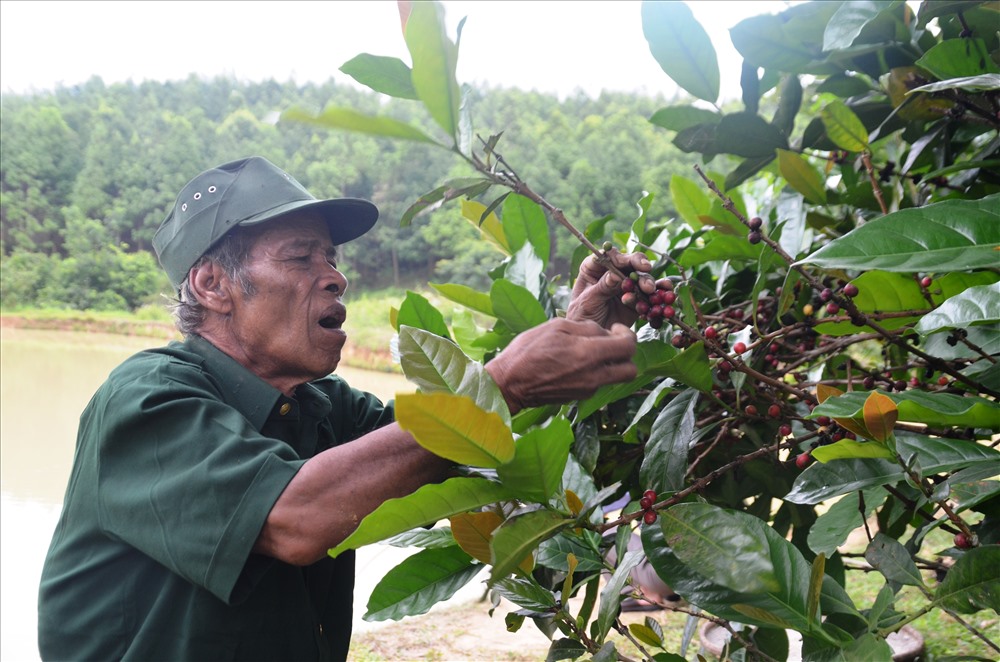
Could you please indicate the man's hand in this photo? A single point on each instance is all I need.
(597, 291)
(562, 361)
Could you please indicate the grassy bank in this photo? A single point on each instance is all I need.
(367, 325)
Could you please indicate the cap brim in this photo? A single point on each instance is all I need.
(347, 218)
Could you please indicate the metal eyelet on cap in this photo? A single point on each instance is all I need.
(197, 196)
(184, 207)
(211, 189)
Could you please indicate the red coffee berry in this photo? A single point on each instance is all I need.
(774, 348)
(754, 237)
(645, 503)
(826, 294)
(823, 420)
(669, 298)
(678, 341)
(649, 517)
(774, 411)
(942, 381)
(914, 381)
(925, 282)
(900, 385)
(869, 382)
(851, 290)
(739, 347)
(655, 311)
(628, 285)
(785, 430)
(711, 333)
(755, 223)
(803, 460)
(650, 494)
(962, 541)
(832, 308)
(668, 311)
(750, 410)
(629, 299)
(641, 307)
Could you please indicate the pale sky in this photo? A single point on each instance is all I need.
(548, 46)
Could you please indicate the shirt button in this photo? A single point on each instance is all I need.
(285, 408)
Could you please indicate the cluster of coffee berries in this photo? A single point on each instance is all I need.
(754, 224)
(653, 307)
(646, 503)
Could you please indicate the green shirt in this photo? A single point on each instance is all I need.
(180, 456)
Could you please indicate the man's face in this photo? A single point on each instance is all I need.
(289, 330)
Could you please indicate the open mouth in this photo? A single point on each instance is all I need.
(330, 322)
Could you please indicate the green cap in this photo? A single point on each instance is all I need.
(245, 192)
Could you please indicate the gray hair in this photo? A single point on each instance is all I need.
(232, 255)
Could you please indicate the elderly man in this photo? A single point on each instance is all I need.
(212, 475)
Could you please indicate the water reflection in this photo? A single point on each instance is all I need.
(46, 380)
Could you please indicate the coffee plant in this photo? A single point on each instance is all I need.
(818, 347)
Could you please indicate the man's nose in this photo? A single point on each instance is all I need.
(336, 281)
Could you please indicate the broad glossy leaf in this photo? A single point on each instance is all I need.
(690, 199)
(351, 120)
(565, 649)
(682, 48)
(427, 505)
(790, 41)
(487, 223)
(801, 176)
(436, 364)
(423, 538)
(832, 527)
(434, 58)
(456, 428)
(648, 404)
(850, 19)
(524, 222)
(516, 306)
(888, 556)
(473, 532)
(678, 118)
(466, 296)
(958, 58)
(933, 8)
(420, 582)
(719, 248)
(748, 135)
(611, 596)
(385, 75)
(535, 472)
(880, 415)
(526, 593)
(882, 291)
(526, 269)
(976, 305)
(843, 127)
(824, 481)
(920, 407)
(945, 236)
(973, 583)
(666, 451)
(646, 634)
(554, 552)
(725, 547)
(518, 538)
(418, 312)
(966, 83)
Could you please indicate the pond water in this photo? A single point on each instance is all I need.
(46, 380)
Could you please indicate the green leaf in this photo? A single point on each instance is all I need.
(645, 634)
(678, 118)
(724, 546)
(801, 176)
(565, 649)
(882, 291)
(888, 556)
(953, 235)
(526, 593)
(843, 127)
(456, 428)
(423, 538)
(920, 407)
(849, 448)
(611, 596)
(748, 135)
(719, 248)
(516, 306)
(976, 305)
(983, 82)
(466, 296)
(972, 584)
(651, 402)
(832, 527)
(554, 552)
(666, 454)
(519, 536)
(351, 120)
(682, 48)
(816, 585)
(790, 41)
(421, 581)
(849, 20)
(385, 75)
(436, 364)
(417, 311)
(958, 58)
(540, 456)
(435, 58)
(524, 222)
(428, 505)
(690, 199)
(824, 481)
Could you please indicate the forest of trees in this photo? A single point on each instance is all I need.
(89, 172)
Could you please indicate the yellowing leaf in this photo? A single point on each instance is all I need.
(490, 226)
(393, 317)
(880, 416)
(854, 426)
(823, 392)
(574, 502)
(474, 531)
(456, 428)
(801, 176)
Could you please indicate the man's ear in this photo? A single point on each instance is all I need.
(211, 287)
